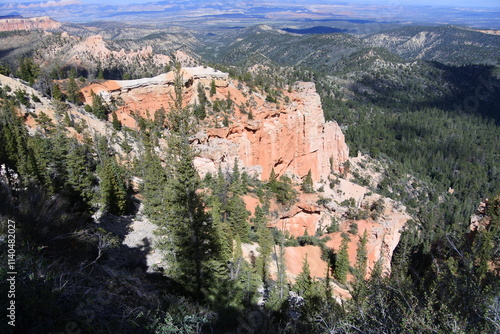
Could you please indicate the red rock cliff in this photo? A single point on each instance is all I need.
(295, 140)
(291, 137)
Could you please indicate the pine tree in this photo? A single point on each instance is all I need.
(56, 93)
(265, 241)
(28, 70)
(342, 261)
(80, 167)
(304, 281)
(272, 178)
(213, 88)
(307, 185)
(359, 272)
(199, 109)
(236, 187)
(279, 292)
(73, 91)
(155, 181)
(362, 257)
(117, 125)
(113, 188)
(222, 231)
(16, 152)
(98, 106)
(45, 122)
(100, 74)
(187, 224)
(238, 217)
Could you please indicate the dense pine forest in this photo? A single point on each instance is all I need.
(432, 126)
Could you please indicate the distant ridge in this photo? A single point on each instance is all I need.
(12, 16)
(315, 30)
(31, 23)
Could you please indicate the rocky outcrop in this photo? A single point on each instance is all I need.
(289, 135)
(291, 138)
(295, 139)
(32, 23)
(88, 51)
(144, 96)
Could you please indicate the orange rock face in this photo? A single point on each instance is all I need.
(291, 138)
(43, 22)
(295, 256)
(142, 97)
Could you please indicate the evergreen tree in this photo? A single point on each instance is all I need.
(222, 231)
(80, 167)
(236, 186)
(199, 109)
(213, 88)
(307, 184)
(238, 217)
(16, 152)
(279, 292)
(56, 93)
(100, 74)
(304, 281)
(28, 70)
(117, 125)
(272, 178)
(113, 188)
(187, 224)
(359, 272)
(155, 180)
(265, 241)
(98, 106)
(45, 122)
(73, 91)
(342, 261)
(160, 117)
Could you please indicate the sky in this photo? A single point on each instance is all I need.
(461, 3)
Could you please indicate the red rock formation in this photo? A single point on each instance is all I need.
(32, 23)
(293, 138)
(295, 256)
(144, 96)
(290, 136)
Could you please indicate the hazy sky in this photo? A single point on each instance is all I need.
(468, 3)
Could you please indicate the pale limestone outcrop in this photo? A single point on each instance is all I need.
(32, 23)
(95, 48)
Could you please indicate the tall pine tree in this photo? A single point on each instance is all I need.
(342, 261)
(187, 224)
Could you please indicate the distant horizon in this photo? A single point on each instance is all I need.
(395, 3)
(482, 14)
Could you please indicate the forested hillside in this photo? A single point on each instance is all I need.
(445, 44)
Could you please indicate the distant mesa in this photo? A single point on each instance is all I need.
(18, 22)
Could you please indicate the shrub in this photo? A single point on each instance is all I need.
(353, 228)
